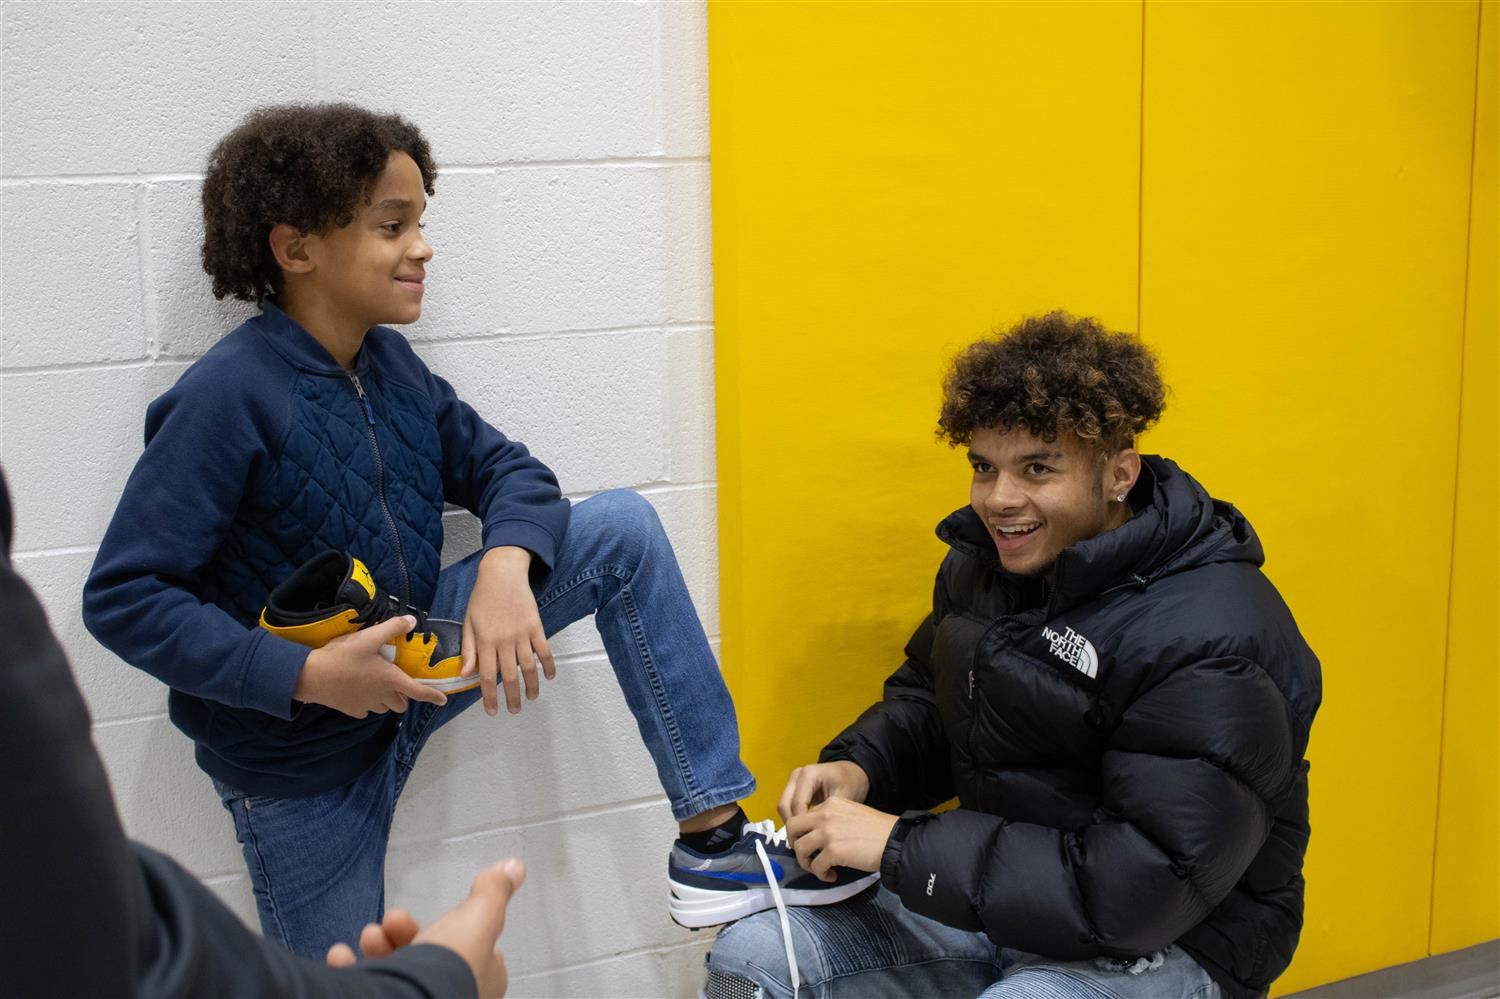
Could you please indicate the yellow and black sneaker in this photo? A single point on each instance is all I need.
(332, 594)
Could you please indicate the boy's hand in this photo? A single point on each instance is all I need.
(812, 785)
(471, 929)
(503, 630)
(840, 833)
(350, 675)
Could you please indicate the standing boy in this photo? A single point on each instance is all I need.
(1118, 698)
(313, 428)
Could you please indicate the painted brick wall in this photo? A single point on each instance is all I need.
(569, 301)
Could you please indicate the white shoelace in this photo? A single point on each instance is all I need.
(768, 831)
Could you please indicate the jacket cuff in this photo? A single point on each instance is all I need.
(431, 969)
(524, 534)
(895, 844)
(272, 668)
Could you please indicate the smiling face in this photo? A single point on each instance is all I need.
(1037, 498)
(372, 271)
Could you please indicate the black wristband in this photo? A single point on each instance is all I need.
(890, 858)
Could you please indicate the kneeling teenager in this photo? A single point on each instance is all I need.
(1117, 696)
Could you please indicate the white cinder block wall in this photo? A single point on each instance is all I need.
(569, 301)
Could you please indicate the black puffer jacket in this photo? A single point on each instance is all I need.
(1126, 745)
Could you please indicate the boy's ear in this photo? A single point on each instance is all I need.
(290, 247)
(1124, 468)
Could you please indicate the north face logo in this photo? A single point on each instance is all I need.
(1073, 649)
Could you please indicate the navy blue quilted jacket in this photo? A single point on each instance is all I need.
(263, 454)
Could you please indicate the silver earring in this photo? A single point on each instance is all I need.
(1120, 498)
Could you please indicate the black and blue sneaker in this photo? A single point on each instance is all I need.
(758, 872)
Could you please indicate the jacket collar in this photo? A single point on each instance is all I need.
(297, 346)
(1175, 525)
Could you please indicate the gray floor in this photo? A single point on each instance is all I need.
(1473, 973)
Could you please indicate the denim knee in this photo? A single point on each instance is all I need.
(752, 949)
(628, 524)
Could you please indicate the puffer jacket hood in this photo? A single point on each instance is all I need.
(1126, 744)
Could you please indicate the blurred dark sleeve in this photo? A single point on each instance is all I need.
(65, 926)
(197, 947)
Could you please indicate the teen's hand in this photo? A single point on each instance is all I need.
(812, 785)
(503, 630)
(350, 675)
(840, 833)
(470, 929)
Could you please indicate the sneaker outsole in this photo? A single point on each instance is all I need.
(694, 908)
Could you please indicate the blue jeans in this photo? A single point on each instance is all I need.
(873, 947)
(317, 864)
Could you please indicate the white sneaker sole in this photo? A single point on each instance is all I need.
(696, 908)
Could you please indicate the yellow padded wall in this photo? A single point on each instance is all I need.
(888, 180)
(1466, 871)
(1304, 218)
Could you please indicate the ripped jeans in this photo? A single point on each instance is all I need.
(872, 947)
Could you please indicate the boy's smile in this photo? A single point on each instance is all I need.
(375, 266)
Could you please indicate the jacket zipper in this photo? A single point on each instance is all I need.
(380, 485)
(973, 710)
(1136, 582)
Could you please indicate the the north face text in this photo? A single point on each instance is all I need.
(1073, 649)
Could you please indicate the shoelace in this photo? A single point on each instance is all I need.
(379, 610)
(766, 832)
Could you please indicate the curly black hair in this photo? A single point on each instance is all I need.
(1054, 374)
(307, 165)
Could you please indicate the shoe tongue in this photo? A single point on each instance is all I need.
(357, 588)
(765, 828)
